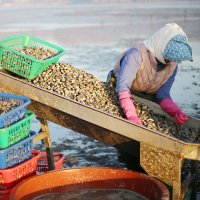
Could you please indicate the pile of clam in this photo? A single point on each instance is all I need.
(78, 85)
(8, 105)
(66, 80)
(37, 53)
(164, 125)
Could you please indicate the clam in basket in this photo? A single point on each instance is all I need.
(16, 113)
(10, 177)
(13, 56)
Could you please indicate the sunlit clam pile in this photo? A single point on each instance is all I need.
(8, 105)
(66, 80)
(164, 125)
(78, 85)
(37, 53)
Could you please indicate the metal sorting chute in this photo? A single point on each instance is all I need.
(161, 156)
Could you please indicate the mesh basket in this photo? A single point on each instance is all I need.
(17, 153)
(4, 194)
(24, 65)
(10, 177)
(16, 132)
(16, 113)
(42, 165)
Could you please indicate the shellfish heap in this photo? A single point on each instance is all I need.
(68, 81)
(8, 105)
(37, 53)
(80, 86)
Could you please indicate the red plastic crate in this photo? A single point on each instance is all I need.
(10, 177)
(42, 165)
(4, 194)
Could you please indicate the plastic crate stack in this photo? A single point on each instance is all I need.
(28, 67)
(17, 161)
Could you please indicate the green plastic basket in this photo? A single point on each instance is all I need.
(21, 64)
(16, 132)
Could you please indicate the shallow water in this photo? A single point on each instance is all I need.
(95, 194)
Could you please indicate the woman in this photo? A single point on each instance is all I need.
(151, 68)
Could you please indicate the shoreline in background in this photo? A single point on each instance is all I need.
(95, 23)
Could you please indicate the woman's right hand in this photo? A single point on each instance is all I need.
(135, 120)
(128, 107)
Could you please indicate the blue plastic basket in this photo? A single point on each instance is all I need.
(16, 113)
(17, 153)
(16, 132)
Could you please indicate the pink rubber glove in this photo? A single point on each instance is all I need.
(128, 108)
(173, 110)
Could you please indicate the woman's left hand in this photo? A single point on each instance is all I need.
(173, 110)
(181, 118)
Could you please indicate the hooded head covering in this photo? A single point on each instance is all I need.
(178, 49)
(169, 42)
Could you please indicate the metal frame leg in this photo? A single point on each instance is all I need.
(47, 142)
(45, 137)
(177, 185)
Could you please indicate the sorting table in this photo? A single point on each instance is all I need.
(161, 156)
